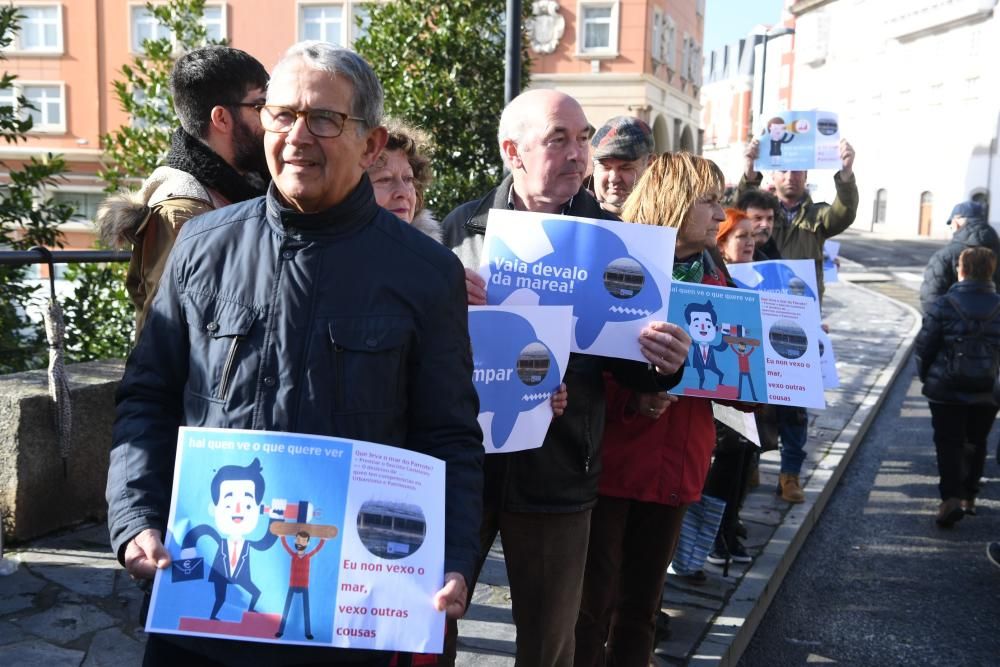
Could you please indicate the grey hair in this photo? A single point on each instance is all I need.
(514, 125)
(368, 98)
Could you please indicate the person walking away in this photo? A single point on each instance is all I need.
(957, 360)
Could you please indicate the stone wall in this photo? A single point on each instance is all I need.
(36, 496)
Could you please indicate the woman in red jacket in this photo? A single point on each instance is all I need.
(656, 449)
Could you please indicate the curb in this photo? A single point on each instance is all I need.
(734, 626)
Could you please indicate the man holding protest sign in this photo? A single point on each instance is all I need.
(269, 309)
(800, 232)
(540, 500)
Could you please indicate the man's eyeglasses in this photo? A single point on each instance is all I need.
(322, 123)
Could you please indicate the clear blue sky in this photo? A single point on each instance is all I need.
(729, 20)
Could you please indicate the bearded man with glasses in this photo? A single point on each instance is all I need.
(309, 310)
(216, 158)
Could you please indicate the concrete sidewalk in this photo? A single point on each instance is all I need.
(69, 603)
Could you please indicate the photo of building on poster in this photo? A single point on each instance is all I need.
(748, 346)
(519, 357)
(611, 273)
(799, 140)
(287, 538)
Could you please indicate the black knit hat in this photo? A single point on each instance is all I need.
(624, 138)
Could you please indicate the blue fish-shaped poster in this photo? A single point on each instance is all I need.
(777, 276)
(615, 275)
(519, 356)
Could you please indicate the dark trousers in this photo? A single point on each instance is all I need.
(220, 595)
(292, 590)
(631, 544)
(960, 434)
(545, 554)
(729, 479)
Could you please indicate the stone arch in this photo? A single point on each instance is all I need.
(685, 142)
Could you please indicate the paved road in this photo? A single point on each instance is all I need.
(877, 583)
(878, 252)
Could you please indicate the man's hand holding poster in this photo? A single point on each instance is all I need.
(519, 357)
(609, 272)
(748, 346)
(798, 141)
(287, 538)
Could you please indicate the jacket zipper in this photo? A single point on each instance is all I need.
(229, 368)
(338, 352)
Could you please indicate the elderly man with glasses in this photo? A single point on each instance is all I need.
(310, 310)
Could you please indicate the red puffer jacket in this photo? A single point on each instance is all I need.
(662, 460)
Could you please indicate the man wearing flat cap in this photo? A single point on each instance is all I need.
(968, 220)
(621, 152)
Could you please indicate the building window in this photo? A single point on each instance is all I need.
(145, 25)
(598, 27)
(359, 14)
(214, 21)
(878, 215)
(670, 42)
(322, 22)
(84, 203)
(656, 48)
(48, 100)
(40, 30)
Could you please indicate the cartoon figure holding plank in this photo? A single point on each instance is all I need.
(297, 522)
(298, 578)
(743, 347)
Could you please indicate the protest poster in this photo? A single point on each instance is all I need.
(798, 141)
(830, 251)
(828, 361)
(615, 275)
(789, 276)
(780, 276)
(748, 346)
(299, 539)
(519, 357)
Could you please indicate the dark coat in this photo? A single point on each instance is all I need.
(562, 474)
(942, 325)
(346, 323)
(942, 268)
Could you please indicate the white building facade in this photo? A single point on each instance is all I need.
(916, 85)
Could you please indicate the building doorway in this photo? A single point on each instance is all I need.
(926, 213)
(878, 212)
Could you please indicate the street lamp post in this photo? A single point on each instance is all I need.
(512, 80)
(770, 34)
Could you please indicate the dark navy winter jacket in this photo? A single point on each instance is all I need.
(942, 325)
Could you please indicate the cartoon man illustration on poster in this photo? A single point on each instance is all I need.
(237, 494)
(743, 347)
(298, 578)
(702, 327)
(776, 130)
